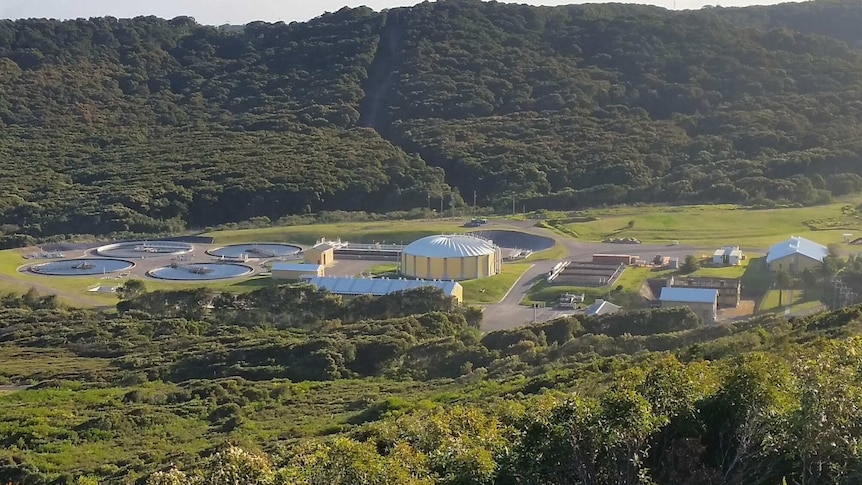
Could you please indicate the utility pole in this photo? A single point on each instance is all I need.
(513, 204)
(473, 212)
(441, 204)
(429, 204)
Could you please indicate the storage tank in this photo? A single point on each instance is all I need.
(455, 257)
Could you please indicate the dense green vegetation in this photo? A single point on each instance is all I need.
(151, 126)
(403, 389)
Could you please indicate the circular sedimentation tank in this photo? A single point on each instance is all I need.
(255, 251)
(82, 267)
(200, 271)
(144, 249)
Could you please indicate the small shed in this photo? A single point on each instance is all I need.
(295, 271)
(322, 254)
(728, 255)
(703, 302)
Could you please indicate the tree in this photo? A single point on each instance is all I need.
(131, 289)
(782, 281)
(690, 265)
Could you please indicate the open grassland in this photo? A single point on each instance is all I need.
(493, 289)
(706, 271)
(796, 300)
(397, 232)
(715, 225)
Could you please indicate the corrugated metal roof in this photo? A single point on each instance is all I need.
(796, 245)
(311, 268)
(377, 287)
(689, 295)
(455, 246)
(602, 307)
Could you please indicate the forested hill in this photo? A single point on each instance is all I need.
(151, 125)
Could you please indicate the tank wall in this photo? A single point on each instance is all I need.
(465, 268)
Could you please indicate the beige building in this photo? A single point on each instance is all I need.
(796, 255)
(457, 257)
(295, 271)
(703, 302)
(322, 254)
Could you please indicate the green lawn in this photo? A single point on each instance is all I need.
(716, 225)
(756, 280)
(493, 289)
(797, 300)
(726, 271)
(557, 252)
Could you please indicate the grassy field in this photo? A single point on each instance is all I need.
(493, 289)
(797, 300)
(725, 271)
(721, 224)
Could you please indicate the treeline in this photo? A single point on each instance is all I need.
(154, 126)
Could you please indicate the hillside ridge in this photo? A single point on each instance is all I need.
(154, 126)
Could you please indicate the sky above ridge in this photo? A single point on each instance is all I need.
(217, 12)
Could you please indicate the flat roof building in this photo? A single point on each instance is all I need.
(322, 254)
(382, 286)
(295, 271)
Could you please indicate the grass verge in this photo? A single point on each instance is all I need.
(493, 289)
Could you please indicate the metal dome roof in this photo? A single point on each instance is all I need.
(457, 246)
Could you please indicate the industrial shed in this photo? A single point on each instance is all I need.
(703, 302)
(457, 257)
(322, 254)
(796, 255)
(295, 271)
(382, 286)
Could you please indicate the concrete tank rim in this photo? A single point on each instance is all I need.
(30, 268)
(250, 270)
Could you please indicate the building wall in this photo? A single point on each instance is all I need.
(316, 256)
(614, 259)
(294, 275)
(705, 311)
(794, 263)
(458, 293)
(466, 268)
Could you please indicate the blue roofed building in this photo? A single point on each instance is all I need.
(702, 301)
(796, 255)
(381, 286)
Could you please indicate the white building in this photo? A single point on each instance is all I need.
(727, 256)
